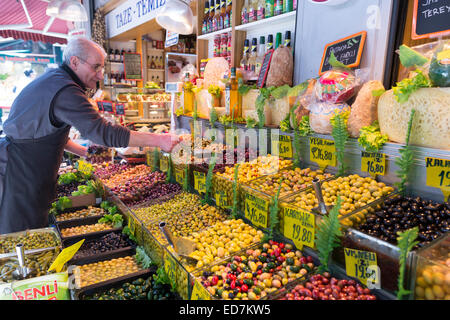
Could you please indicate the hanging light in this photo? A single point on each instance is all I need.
(176, 16)
(70, 10)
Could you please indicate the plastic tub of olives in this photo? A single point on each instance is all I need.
(41, 240)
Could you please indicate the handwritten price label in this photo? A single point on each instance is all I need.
(362, 265)
(221, 200)
(438, 175)
(179, 176)
(322, 151)
(373, 163)
(200, 182)
(283, 147)
(199, 292)
(256, 210)
(164, 164)
(299, 226)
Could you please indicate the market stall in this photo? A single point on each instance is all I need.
(313, 166)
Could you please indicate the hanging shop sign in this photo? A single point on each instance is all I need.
(431, 18)
(131, 14)
(347, 50)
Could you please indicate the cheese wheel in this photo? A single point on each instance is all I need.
(431, 125)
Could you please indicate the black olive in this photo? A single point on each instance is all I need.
(430, 218)
(422, 236)
(387, 222)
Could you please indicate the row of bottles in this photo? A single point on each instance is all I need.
(255, 10)
(117, 77)
(253, 57)
(222, 46)
(158, 81)
(116, 55)
(155, 62)
(217, 15)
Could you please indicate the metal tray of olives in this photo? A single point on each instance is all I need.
(52, 218)
(50, 230)
(67, 241)
(87, 258)
(110, 284)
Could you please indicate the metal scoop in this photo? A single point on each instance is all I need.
(182, 246)
(322, 208)
(22, 271)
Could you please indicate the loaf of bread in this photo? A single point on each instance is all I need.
(364, 109)
(431, 125)
(281, 68)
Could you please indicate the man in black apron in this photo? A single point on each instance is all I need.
(37, 133)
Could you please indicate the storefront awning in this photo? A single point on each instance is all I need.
(26, 19)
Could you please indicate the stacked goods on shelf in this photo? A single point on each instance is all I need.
(256, 272)
(79, 213)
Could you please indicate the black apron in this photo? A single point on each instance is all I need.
(29, 165)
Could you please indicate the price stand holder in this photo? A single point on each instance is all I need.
(438, 174)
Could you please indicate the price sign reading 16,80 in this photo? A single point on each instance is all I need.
(373, 163)
(322, 151)
(256, 210)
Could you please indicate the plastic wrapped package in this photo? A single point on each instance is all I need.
(439, 71)
(336, 86)
(321, 114)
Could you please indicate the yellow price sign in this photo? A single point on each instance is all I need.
(179, 176)
(199, 292)
(163, 164)
(283, 147)
(256, 210)
(221, 199)
(438, 174)
(64, 256)
(373, 163)
(200, 182)
(322, 151)
(299, 226)
(363, 266)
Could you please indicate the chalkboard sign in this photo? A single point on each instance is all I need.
(100, 106)
(133, 66)
(108, 106)
(431, 18)
(119, 109)
(264, 69)
(347, 50)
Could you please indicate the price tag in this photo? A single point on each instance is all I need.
(283, 147)
(221, 199)
(199, 292)
(322, 151)
(362, 265)
(373, 163)
(163, 164)
(200, 182)
(256, 210)
(64, 256)
(179, 176)
(438, 174)
(299, 226)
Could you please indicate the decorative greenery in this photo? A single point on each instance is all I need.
(215, 91)
(304, 129)
(297, 144)
(83, 190)
(179, 111)
(127, 231)
(405, 161)
(298, 89)
(235, 200)
(243, 89)
(161, 277)
(335, 63)
(340, 135)
(407, 86)
(142, 258)
(170, 177)
(68, 177)
(328, 232)
(85, 169)
(378, 93)
(280, 92)
(410, 58)
(371, 139)
(273, 211)
(60, 205)
(406, 241)
(250, 122)
(208, 182)
(229, 120)
(116, 219)
(186, 179)
(213, 117)
(195, 113)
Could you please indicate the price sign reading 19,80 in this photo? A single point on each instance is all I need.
(299, 226)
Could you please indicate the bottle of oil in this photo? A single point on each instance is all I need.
(188, 96)
(232, 97)
(205, 18)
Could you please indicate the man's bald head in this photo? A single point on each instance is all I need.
(81, 47)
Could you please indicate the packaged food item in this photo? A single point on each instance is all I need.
(364, 110)
(439, 71)
(336, 86)
(321, 114)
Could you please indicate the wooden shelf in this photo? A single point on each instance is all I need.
(255, 26)
(156, 70)
(210, 36)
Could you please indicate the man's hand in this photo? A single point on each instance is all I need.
(168, 141)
